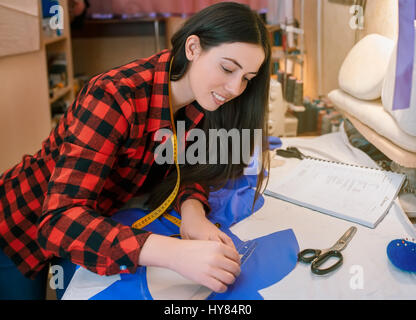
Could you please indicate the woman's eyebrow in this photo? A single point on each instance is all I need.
(238, 65)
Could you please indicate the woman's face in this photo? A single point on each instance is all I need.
(222, 73)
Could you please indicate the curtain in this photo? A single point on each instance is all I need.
(134, 8)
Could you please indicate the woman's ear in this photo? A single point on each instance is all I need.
(192, 47)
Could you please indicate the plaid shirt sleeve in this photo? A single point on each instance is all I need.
(70, 225)
(192, 191)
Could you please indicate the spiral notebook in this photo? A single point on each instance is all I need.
(354, 193)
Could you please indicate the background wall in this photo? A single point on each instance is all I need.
(103, 49)
(337, 40)
(381, 17)
(24, 105)
(95, 55)
(337, 37)
(100, 46)
(310, 45)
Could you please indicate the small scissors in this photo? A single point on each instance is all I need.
(290, 152)
(317, 257)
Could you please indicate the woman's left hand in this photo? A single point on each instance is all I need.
(195, 225)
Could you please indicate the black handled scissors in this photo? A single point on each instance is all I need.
(318, 257)
(290, 152)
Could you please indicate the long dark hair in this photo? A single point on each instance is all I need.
(225, 22)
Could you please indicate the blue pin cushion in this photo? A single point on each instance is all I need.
(402, 254)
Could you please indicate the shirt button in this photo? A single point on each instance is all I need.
(123, 267)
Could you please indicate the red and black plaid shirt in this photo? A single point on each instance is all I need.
(58, 202)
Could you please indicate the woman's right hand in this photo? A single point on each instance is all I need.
(210, 263)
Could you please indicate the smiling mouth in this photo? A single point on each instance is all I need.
(219, 99)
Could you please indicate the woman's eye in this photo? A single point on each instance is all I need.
(230, 71)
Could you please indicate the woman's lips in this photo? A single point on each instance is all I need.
(219, 100)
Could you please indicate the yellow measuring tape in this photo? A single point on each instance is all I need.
(160, 211)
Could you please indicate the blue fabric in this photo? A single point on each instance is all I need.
(274, 142)
(15, 286)
(274, 257)
(130, 287)
(405, 55)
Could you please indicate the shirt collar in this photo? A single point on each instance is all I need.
(159, 113)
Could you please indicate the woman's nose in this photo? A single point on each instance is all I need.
(235, 86)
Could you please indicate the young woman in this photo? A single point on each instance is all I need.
(59, 202)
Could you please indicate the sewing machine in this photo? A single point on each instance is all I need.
(281, 123)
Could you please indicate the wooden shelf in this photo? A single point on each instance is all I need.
(57, 45)
(60, 93)
(50, 40)
(278, 54)
(273, 27)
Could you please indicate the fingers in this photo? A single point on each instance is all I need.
(211, 263)
(220, 276)
(215, 285)
(232, 254)
(227, 240)
(224, 269)
(219, 280)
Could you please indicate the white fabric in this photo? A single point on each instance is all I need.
(372, 114)
(165, 284)
(277, 109)
(86, 284)
(363, 70)
(405, 118)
